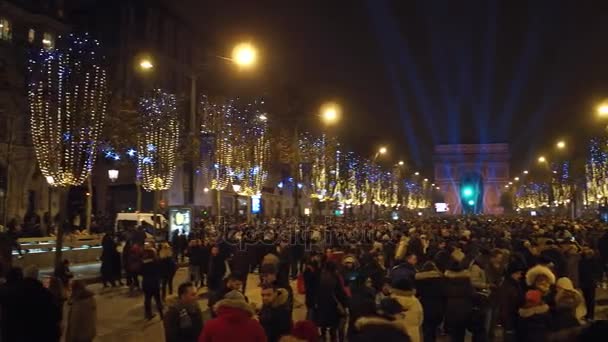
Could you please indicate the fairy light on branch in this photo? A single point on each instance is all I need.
(158, 143)
(67, 98)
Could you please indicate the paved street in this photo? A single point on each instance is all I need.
(121, 317)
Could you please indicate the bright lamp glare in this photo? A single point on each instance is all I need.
(467, 192)
(244, 54)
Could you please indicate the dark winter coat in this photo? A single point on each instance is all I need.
(240, 262)
(590, 272)
(534, 323)
(380, 329)
(430, 289)
(150, 271)
(29, 313)
(234, 322)
(217, 270)
(403, 271)
(195, 255)
(312, 277)
(183, 323)
(331, 293)
(168, 267)
(458, 292)
(82, 318)
(275, 318)
(556, 257)
(510, 297)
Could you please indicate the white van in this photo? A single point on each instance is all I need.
(124, 221)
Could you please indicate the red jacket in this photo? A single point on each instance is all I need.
(233, 323)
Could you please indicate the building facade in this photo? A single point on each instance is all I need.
(24, 26)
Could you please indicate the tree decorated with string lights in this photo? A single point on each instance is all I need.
(158, 142)
(67, 97)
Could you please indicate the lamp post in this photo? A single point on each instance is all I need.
(244, 56)
(236, 188)
(113, 175)
(51, 182)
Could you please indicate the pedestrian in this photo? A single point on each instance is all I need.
(569, 301)
(403, 292)
(29, 311)
(59, 292)
(541, 278)
(311, 275)
(217, 270)
(194, 262)
(232, 283)
(534, 318)
(184, 320)
(590, 273)
(150, 271)
(275, 315)
(168, 268)
(510, 297)
(331, 301)
(107, 260)
(430, 289)
(82, 317)
(459, 297)
(234, 322)
(63, 272)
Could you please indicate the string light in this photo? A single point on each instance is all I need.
(67, 97)
(158, 143)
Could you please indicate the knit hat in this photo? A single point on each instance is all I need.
(305, 330)
(533, 297)
(565, 284)
(349, 259)
(235, 295)
(403, 284)
(516, 266)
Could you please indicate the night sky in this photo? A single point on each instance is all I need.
(412, 74)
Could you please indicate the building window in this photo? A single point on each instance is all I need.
(48, 40)
(31, 35)
(5, 29)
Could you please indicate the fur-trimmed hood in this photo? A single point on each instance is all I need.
(233, 309)
(367, 321)
(533, 310)
(567, 299)
(428, 275)
(281, 299)
(458, 274)
(536, 271)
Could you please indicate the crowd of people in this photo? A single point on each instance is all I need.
(509, 278)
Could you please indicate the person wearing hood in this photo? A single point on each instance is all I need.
(534, 318)
(386, 325)
(429, 285)
(234, 322)
(184, 320)
(541, 278)
(403, 292)
(82, 317)
(275, 315)
(569, 310)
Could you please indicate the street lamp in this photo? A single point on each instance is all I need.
(602, 110)
(330, 113)
(416, 173)
(401, 163)
(236, 188)
(516, 179)
(382, 150)
(542, 159)
(263, 117)
(146, 64)
(113, 175)
(244, 55)
(561, 144)
(525, 172)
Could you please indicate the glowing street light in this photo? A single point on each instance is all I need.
(602, 110)
(113, 175)
(542, 159)
(330, 113)
(561, 144)
(263, 117)
(416, 173)
(244, 55)
(382, 150)
(426, 180)
(401, 163)
(516, 179)
(146, 64)
(525, 172)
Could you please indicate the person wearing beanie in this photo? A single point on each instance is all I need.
(459, 297)
(403, 292)
(534, 318)
(510, 296)
(234, 322)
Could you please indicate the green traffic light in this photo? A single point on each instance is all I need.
(467, 192)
